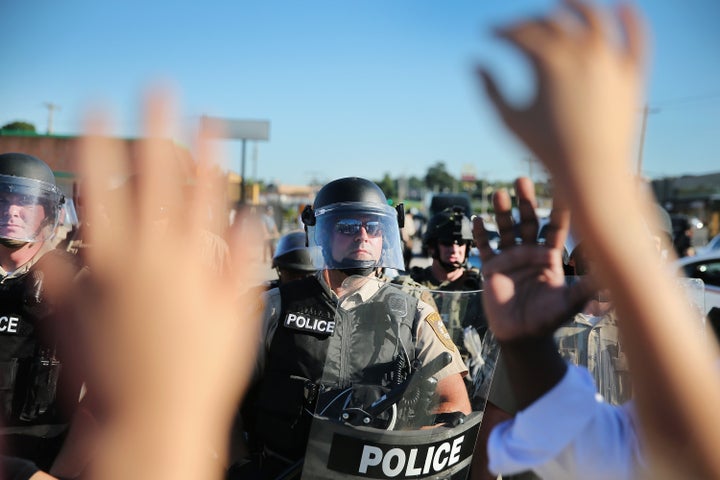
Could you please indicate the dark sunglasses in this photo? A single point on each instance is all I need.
(351, 226)
(18, 199)
(449, 243)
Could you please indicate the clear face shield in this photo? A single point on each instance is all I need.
(356, 235)
(28, 209)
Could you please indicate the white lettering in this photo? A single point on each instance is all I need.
(439, 461)
(300, 322)
(455, 453)
(413, 461)
(393, 454)
(428, 459)
(9, 324)
(411, 468)
(371, 456)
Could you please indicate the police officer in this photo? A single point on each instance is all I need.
(327, 317)
(293, 259)
(39, 385)
(448, 239)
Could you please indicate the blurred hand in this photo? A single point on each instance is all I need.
(173, 343)
(581, 122)
(524, 283)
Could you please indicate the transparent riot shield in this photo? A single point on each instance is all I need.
(463, 315)
(377, 408)
(594, 341)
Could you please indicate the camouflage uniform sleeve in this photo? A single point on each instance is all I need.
(434, 339)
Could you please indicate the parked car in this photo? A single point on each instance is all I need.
(706, 267)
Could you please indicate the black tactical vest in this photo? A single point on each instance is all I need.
(318, 352)
(31, 368)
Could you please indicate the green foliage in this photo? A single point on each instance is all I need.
(438, 179)
(18, 126)
(388, 186)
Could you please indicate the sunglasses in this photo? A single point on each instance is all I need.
(351, 226)
(449, 243)
(18, 199)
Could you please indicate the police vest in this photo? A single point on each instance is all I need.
(319, 350)
(31, 370)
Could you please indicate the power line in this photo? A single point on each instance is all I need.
(680, 101)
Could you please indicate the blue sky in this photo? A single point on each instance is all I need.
(361, 87)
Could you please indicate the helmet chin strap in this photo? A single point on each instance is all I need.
(39, 237)
(357, 267)
(14, 244)
(363, 272)
(447, 266)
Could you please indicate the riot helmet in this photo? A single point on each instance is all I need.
(291, 253)
(450, 225)
(351, 211)
(30, 202)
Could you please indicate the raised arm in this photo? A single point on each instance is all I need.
(525, 296)
(174, 345)
(581, 126)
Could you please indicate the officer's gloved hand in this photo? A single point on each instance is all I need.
(450, 419)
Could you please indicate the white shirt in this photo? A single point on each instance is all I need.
(570, 432)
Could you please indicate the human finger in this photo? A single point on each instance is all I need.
(503, 218)
(525, 191)
(635, 31)
(589, 15)
(481, 239)
(559, 225)
(158, 160)
(523, 259)
(100, 163)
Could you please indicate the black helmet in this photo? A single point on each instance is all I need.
(450, 224)
(292, 254)
(30, 181)
(348, 199)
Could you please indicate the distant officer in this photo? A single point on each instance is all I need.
(39, 381)
(448, 239)
(326, 334)
(293, 259)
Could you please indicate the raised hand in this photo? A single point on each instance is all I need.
(525, 294)
(174, 344)
(588, 89)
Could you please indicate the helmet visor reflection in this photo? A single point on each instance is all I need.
(27, 206)
(352, 226)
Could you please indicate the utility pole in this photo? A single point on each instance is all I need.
(645, 112)
(51, 108)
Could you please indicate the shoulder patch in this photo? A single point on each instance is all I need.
(436, 323)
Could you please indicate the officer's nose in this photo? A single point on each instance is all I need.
(362, 234)
(12, 209)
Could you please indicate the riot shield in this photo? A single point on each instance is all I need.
(594, 341)
(376, 413)
(463, 315)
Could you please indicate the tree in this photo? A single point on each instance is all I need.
(438, 179)
(18, 126)
(388, 186)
